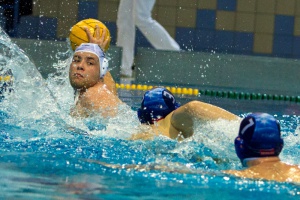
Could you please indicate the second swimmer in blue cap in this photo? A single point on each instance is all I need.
(258, 146)
(160, 110)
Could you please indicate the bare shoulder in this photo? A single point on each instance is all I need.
(238, 173)
(142, 136)
(144, 132)
(293, 171)
(280, 172)
(99, 99)
(101, 92)
(149, 132)
(110, 83)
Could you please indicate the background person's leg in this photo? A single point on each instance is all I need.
(126, 35)
(152, 30)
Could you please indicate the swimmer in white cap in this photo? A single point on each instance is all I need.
(86, 73)
(102, 43)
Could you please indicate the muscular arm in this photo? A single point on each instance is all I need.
(183, 118)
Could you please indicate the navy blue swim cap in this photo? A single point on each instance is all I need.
(259, 136)
(157, 103)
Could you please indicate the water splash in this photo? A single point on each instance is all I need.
(40, 129)
(44, 105)
(32, 104)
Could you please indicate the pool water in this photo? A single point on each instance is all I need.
(46, 154)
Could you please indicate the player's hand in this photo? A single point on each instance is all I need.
(97, 39)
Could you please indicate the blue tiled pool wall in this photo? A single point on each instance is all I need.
(250, 27)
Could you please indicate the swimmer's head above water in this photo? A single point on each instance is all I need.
(96, 50)
(157, 103)
(88, 66)
(259, 136)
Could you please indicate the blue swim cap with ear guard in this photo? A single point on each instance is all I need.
(157, 103)
(259, 136)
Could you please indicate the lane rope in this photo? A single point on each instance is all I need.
(174, 90)
(197, 92)
(215, 93)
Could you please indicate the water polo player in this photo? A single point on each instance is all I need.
(88, 67)
(258, 146)
(160, 110)
(93, 31)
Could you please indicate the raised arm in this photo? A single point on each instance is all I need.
(183, 118)
(102, 41)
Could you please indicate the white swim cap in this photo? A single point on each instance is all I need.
(96, 50)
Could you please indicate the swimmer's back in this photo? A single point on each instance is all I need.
(278, 171)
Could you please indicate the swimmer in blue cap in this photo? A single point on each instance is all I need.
(258, 146)
(86, 74)
(156, 105)
(160, 110)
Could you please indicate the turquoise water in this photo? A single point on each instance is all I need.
(46, 154)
